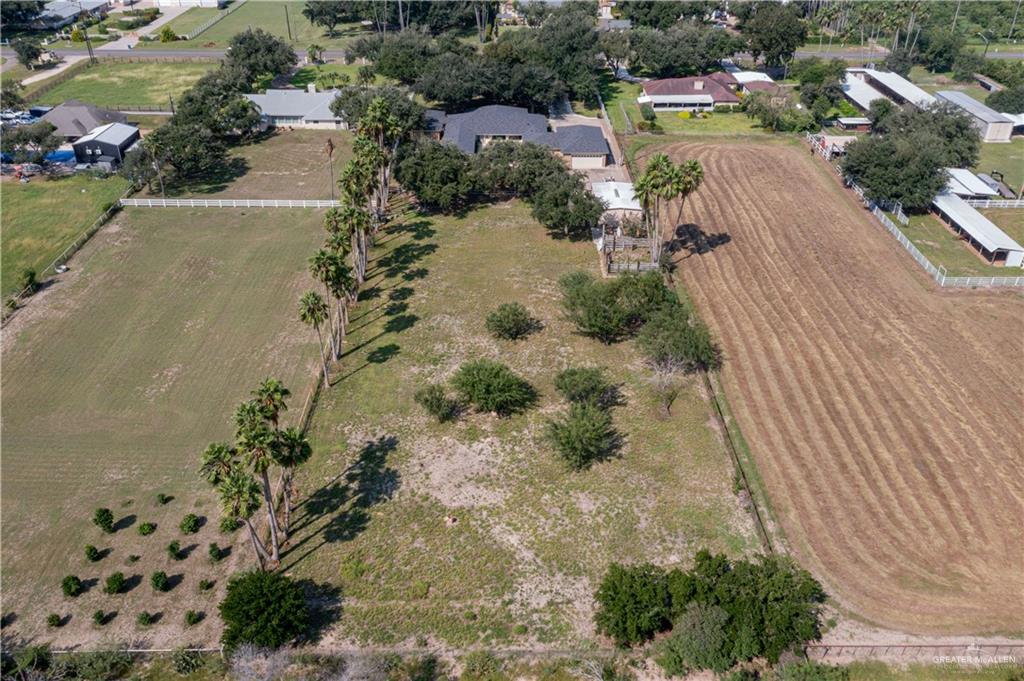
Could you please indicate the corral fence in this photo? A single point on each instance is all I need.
(213, 20)
(638, 266)
(996, 203)
(230, 203)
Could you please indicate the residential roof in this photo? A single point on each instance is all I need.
(309, 106)
(974, 223)
(574, 140)
(111, 133)
(973, 106)
(764, 86)
(899, 86)
(699, 86)
(74, 118)
(616, 195)
(745, 77)
(860, 92)
(614, 24)
(433, 120)
(724, 77)
(463, 129)
(66, 10)
(853, 120)
(963, 182)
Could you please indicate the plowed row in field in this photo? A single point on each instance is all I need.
(885, 415)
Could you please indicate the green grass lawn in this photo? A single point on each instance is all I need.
(193, 18)
(114, 84)
(940, 245)
(270, 16)
(308, 74)
(41, 218)
(115, 379)
(1010, 220)
(1007, 159)
(933, 82)
(877, 671)
(476, 532)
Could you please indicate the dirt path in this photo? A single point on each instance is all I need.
(884, 415)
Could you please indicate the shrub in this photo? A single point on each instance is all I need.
(264, 609)
(676, 339)
(647, 113)
(583, 436)
(633, 603)
(809, 670)
(99, 617)
(168, 35)
(163, 499)
(71, 586)
(510, 321)
(215, 552)
(159, 581)
(133, 558)
(205, 584)
(103, 518)
(723, 108)
(27, 281)
(30, 658)
(77, 36)
(193, 618)
(115, 583)
(582, 384)
(146, 529)
(437, 403)
(481, 666)
(493, 387)
(229, 525)
(53, 620)
(102, 665)
(190, 524)
(174, 550)
(612, 310)
(186, 661)
(144, 619)
(698, 641)
(92, 554)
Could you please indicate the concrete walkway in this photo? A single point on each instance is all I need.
(49, 73)
(127, 42)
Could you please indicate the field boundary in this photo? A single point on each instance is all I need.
(75, 69)
(213, 20)
(230, 203)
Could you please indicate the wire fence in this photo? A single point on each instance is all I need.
(230, 203)
(996, 203)
(213, 20)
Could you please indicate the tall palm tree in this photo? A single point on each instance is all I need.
(270, 396)
(355, 221)
(342, 287)
(258, 444)
(650, 189)
(381, 126)
(219, 459)
(313, 311)
(248, 415)
(293, 451)
(322, 265)
(687, 178)
(240, 499)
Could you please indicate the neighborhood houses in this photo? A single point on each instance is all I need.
(516, 340)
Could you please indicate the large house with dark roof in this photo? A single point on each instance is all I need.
(74, 118)
(581, 146)
(695, 93)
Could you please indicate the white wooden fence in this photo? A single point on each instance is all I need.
(996, 203)
(231, 203)
(212, 20)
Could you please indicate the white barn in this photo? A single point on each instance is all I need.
(995, 244)
(993, 126)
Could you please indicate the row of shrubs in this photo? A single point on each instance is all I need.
(103, 518)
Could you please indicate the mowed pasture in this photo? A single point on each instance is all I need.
(282, 164)
(114, 379)
(126, 84)
(884, 414)
(476, 532)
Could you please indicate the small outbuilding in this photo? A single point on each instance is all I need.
(967, 185)
(854, 124)
(106, 145)
(620, 203)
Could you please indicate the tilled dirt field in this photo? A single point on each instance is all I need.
(884, 414)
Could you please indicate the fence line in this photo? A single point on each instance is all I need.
(996, 203)
(213, 20)
(638, 266)
(230, 203)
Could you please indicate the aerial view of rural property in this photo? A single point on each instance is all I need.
(512, 340)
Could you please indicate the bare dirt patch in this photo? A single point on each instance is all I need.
(884, 414)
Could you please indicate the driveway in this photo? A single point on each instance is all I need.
(129, 41)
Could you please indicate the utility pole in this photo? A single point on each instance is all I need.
(171, 100)
(85, 33)
(1013, 24)
(288, 23)
(330, 163)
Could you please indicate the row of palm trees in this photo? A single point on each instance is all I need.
(661, 183)
(365, 184)
(241, 470)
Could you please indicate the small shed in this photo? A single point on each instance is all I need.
(854, 124)
(994, 244)
(966, 184)
(106, 145)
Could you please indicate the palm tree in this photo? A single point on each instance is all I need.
(294, 450)
(687, 178)
(271, 396)
(322, 265)
(240, 499)
(650, 189)
(354, 223)
(248, 415)
(313, 311)
(381, 126)
(313, 52)
(342, 287)
(219, 459)
(258, 445)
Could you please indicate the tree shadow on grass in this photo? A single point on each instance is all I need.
(325, 607)
(216, 180)
(125, 522)
(345, 502)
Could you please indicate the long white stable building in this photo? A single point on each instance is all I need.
(995, 244)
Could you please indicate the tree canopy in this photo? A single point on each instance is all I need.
(30, 143)
(265, 609)
(774, 31)
(257, 53)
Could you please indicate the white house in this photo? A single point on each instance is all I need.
(298, 108)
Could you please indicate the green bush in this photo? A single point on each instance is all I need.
(675, 338)
(437, 403)
(99, 617)
(809, 670)
(71, 586)
(174, 550)
(114, 584)
(28, 659)
(612, 310)
(193, 618)
(698, 641)
(205, 584)
(186, 661)
(493, 387)
(167, 35)
(146, 529)
(144, 619)
(103, 665)
(163, 499)
(92, 554)
(103, 518)
(133, 558)
(190, 524)
(159, 581)
(583, 384)
(215, 552)
(77, 35)
(633, 603)
(53, 620)
(482, 666)
(511, 321)
(264, 609)
(229, 525)
(647, 113)
(583, 436)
